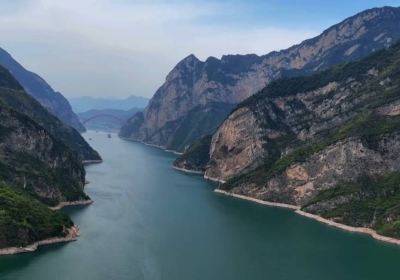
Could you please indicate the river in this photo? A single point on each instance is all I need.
(152, 222)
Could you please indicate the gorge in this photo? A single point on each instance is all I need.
(280, 166)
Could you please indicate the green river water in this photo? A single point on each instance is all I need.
(152, 222)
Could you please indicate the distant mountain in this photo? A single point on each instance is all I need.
(106, 119)
(37, 87)
(233, 78)
(86, 103)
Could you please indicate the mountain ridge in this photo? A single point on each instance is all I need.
(327, 143)
(234, 78)
(86, 103)
(38, 88)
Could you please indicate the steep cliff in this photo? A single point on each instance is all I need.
(37, 170)
(14, 96)
(329, 143)
(34, 161)
(38, 88)
(233, 78)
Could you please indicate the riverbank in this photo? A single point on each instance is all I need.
(259, 201)
(72, 235)
(187, 170)
(214, 179)
(320, 219)
(72, 203)
(151, 145)
(92, 161)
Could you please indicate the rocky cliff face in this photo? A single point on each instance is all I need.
(329, 143)
(296, 111)
(233, 78)
(13, 95)
(38, 88)
(34, 161)
(196, 157)
(37, 169)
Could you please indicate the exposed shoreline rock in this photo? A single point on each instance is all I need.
(216, 180)
(72, 235)
(188, 171)
(151, 145)
(72, 203)
(317, 218)
(90, 162)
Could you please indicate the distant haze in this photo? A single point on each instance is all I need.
(86, 103)
(117, 47)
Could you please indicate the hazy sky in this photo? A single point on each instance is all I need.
(123, 47)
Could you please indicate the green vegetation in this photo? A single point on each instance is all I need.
(197, 156)
(20, 101)
(37, 162)
(369, 127)
(386, 60)
(197, 123)
(32, 169)
(371, 202)
(368, 94)
(23, 220)
(53, 184)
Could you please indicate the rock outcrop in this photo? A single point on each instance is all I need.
(328, 143)
(193, 87)
(33, 160)
(39, 89)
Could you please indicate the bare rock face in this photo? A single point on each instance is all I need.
(237, 145)
(300, 136)
(254, 132)
(328, 143)
(344, 161)
(194, 84)
(32, 158)
(33, 161)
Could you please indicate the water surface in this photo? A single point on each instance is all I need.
(152, 222)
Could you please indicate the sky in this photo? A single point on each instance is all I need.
(117, 48)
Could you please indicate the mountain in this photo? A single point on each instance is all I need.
(39, 89)
(13, 95)
(328, 143)
(233, 78)
(106, 119)
(30, 156)
(86, 103)
(37, 170)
